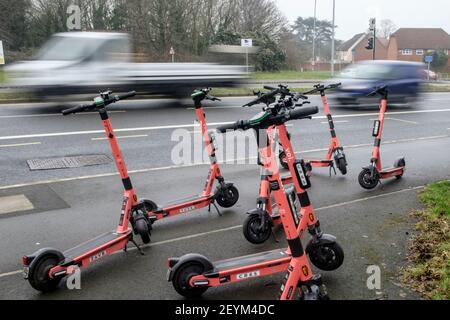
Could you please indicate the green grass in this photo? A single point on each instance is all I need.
(430, 247)
(291, 75)
(437, 198)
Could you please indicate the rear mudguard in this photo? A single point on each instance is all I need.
(324, 239)
(191, 257)
(35, 257)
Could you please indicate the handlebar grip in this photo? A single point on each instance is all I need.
(240, 124)
(76, 109)
(303, 112)
(126, 95)
(270, 88)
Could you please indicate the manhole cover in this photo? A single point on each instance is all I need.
(68, 162)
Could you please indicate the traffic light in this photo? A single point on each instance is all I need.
(370, 43)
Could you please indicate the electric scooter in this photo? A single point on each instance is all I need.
(226, 194)
(192, 274)
(372, 175)
(335, 156)
(260, 222)
(45, 268)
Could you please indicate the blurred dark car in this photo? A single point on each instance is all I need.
(404, 80)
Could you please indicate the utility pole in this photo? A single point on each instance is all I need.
(374, 39)
(332, 40)
(314, 36)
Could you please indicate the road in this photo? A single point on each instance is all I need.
(69, 206)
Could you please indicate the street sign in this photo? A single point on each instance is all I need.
(247, 43)
(428, 59)
(2, 56)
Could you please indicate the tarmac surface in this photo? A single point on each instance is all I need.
(70, 206)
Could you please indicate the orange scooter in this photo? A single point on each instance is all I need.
(372, 175)
(335, 156)
(192, 274)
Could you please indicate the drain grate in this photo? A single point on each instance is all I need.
(68, 162)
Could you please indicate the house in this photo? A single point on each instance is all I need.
(355, 50)
(411, 44)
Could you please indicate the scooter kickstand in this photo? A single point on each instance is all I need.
(215, 206)
(138, 247)
(334, 169)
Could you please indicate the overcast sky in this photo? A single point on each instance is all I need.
(352, 16)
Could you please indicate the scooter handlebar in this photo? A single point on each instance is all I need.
(77, 109)
(106, 102)
(302, 113)
(240, 124)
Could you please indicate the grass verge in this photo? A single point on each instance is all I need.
(429, 273)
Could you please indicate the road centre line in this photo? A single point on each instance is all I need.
(19, 145)
(202, 234)
(111, 174)
(88, 132)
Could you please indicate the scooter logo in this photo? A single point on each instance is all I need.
(311, 217)
(248, 275)
(97, 256)
(187, 209)
(305, 271)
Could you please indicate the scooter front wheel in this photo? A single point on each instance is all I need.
(39, 278)
(367, 181)
(327, 257)
(141, 226)
(254, 232)
(182, 277)
(227, 197)
(342, 166)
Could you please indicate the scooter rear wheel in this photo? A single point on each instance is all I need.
(39, 278)
(228, 197)
(252, 231)
(327, 257)
(183, 275)
(367, 181)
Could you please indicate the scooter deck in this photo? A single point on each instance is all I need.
(251, 260)
(104, 239)
(196, 198)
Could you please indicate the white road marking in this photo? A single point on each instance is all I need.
(341, 121)
(111, 174)
(19, 145)
(202, 234)
(121, 137)
(72, 133)
(401, 120)
(49, 115)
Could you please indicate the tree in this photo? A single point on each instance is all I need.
(387, 28)
(440, 58)
(304, 29)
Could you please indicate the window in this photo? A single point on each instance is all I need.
(419, 52)
(407, 52)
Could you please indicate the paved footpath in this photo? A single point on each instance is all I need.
(373, 227)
